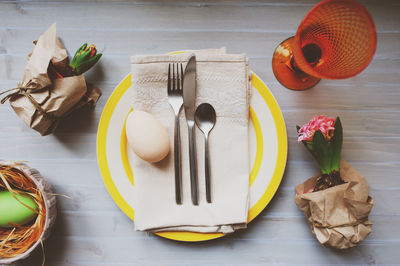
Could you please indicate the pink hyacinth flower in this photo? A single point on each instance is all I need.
(322, 123)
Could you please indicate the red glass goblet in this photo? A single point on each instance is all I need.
(335, 40)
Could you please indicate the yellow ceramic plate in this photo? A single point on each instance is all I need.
(268, 151)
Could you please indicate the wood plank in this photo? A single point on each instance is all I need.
(93, 200)
(360, 92)
(82, 182)
(114, 225)
(81, 145)
(130, 16)
(19, 41)
(375, 123)
(95, 251)
(63, 146)
(84, 173)
(242, 3)
(379, 73)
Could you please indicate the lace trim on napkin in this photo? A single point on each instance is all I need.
(202, 78)
(228, 103)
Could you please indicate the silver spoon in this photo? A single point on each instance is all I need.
(205, 118)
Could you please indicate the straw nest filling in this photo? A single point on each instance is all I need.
(17, 240)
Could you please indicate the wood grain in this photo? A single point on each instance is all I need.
(91, 230)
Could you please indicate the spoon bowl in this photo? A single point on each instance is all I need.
(205, 117)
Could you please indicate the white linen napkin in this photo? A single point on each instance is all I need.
(223, 81)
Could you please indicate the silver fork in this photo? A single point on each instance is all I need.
(175, 98)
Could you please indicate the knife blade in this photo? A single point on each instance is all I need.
(189, 104)
(189, 88)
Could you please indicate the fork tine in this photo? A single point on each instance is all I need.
(178, 84)
(173, 78)
(169, 77)
(181, 77)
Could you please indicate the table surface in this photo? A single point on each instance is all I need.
(91, 229)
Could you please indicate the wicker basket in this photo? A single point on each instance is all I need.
(49, 201)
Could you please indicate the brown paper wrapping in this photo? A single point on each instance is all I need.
(338, 215)
(56, 98)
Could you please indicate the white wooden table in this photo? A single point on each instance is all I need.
(91, 230)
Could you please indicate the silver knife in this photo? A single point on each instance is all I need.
(189, 102)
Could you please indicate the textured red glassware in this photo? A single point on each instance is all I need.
(335, 40)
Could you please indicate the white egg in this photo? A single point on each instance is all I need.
(147, 137)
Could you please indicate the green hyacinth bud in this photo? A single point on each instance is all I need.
(85, 57)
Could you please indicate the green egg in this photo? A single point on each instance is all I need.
(12, 211)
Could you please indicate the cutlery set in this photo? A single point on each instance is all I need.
(181, 89)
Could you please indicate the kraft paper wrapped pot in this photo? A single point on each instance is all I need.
(338, 216)
(42, 101)
(50, 205)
